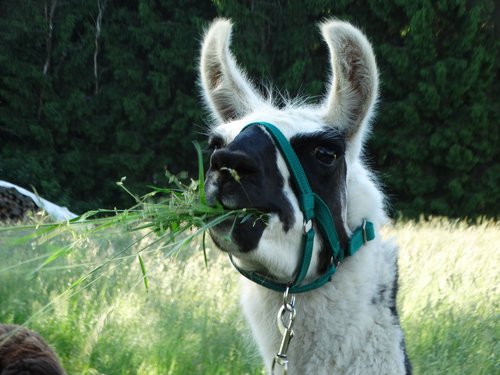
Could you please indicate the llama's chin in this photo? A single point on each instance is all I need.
(238, 236)
(223, 240)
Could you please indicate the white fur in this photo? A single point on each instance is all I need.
(338, 327)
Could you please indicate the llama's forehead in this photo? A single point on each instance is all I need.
(291, 123)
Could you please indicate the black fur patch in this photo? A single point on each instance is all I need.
(394, 312)
(253, 156)
(408, 368)
(388, 299)
(327, 181)
(246, 175)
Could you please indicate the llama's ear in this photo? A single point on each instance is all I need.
(353, 90)
(227, 91)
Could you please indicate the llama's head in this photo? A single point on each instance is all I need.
(246, 169)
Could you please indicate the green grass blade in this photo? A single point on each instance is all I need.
(201, 173)
(204, 247)
(143, 270)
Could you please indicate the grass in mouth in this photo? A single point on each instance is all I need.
(170, 217)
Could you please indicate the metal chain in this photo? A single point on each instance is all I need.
(286, 320)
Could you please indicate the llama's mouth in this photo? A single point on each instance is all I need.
(244, 174)
(239, 234)
(242, 232)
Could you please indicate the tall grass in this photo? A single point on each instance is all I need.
(449, 298)
(187, 321)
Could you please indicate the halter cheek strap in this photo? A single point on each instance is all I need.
(316, 211)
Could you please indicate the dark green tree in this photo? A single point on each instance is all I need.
(91, 91)
(94, 90)
(437, 130)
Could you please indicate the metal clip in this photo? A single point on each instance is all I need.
(286, 319)
(363, 229)
(281, 358)
(288, 304)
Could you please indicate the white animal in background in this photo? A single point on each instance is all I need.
(17, 200)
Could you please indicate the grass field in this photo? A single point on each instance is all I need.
(187, 321)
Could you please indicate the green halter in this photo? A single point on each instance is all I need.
(313, 209)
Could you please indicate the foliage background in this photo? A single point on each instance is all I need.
(93, 90)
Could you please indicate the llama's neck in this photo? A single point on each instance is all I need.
(348, 326)
(364, 198)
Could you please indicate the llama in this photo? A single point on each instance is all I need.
(24, 352)
(339, 306)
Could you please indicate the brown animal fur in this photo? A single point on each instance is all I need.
(24, 352)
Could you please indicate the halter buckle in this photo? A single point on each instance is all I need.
(363, 230)
(307, 226)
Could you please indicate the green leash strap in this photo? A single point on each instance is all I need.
(313, 209)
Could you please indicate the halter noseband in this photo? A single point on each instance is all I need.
(313, 209)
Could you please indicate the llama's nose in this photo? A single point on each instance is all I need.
(234, 162)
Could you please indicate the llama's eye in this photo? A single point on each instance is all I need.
(325, 155)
